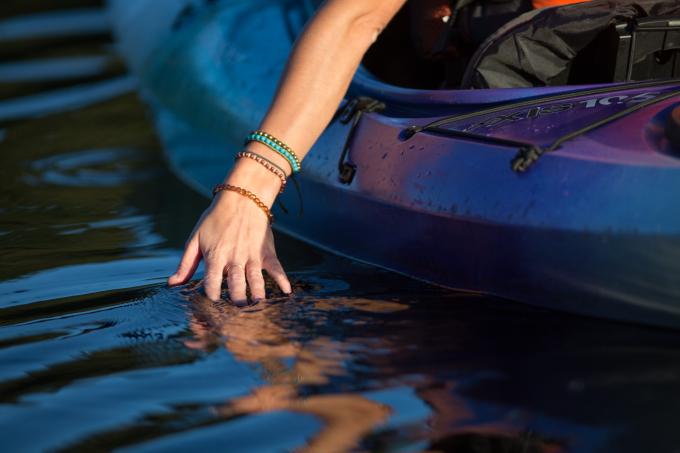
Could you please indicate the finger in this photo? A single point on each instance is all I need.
(188, 263)
(255, 280)
(212, 281)
(236, 280)
(275, 271)
(201, 335)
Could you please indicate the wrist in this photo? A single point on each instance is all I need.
(252, 176)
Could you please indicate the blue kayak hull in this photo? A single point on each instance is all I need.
(592, 229)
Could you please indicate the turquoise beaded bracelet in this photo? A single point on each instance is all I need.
(276, 145)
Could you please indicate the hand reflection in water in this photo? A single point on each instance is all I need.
(253, 335)
(292, 344)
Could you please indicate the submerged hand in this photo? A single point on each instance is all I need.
(235, 240)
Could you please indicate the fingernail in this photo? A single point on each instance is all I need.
(240, 303)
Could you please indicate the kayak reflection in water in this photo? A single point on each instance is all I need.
(233, 236)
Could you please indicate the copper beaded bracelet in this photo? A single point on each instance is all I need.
(266, 163)
(247, 194)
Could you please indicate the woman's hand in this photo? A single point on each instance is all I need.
(235, 240)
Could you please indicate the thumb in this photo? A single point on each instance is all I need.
(188, 264)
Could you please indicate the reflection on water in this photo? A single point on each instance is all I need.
(287, 366)
(96, 353)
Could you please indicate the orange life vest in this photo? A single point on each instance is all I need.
(546, 3)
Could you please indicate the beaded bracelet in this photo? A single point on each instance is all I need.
(247, 194)
(266, 163)
(276, 145)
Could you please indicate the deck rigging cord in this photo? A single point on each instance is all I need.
(529, 153)
(526, 157)
(352, 111)
(412, 130)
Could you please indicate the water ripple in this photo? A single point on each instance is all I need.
(87, 168)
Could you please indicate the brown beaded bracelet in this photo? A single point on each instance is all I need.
(266, 163)
(247, 194)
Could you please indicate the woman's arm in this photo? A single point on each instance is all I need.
(322, 64)
(233, 236)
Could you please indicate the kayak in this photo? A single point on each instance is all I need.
(565, 197)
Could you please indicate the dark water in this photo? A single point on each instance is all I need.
(97, 354)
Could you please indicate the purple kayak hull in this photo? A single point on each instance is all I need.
(591, 228)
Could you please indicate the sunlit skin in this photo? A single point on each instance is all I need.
(233, 236)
